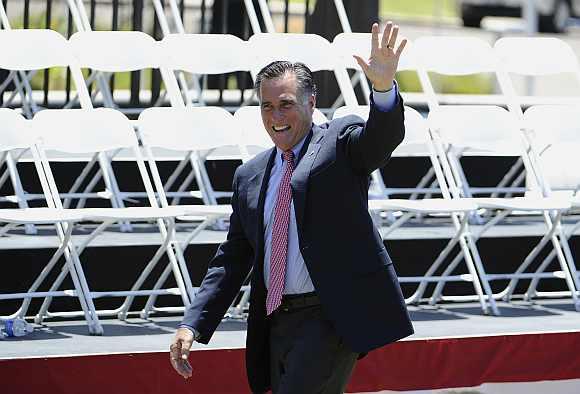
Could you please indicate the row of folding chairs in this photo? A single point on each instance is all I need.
(547, 134)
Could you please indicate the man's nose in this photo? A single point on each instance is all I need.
(277, 115)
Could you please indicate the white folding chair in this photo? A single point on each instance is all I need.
(460, 131)
(17, 135)
(552, 132)
(163, 128)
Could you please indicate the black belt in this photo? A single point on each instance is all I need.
(292, 302)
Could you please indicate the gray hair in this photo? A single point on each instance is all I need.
(279, 68)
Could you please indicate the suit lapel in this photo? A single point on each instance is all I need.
(256, 197)
(301, 174)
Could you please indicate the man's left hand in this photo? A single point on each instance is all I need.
(384, 59)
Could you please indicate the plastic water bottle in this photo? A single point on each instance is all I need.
(14, 328)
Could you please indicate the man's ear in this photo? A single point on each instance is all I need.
(312, 102)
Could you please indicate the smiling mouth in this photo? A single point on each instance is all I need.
(280, 129)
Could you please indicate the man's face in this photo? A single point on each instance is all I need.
(286, 113)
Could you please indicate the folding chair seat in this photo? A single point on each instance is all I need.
(479, 131)
(101, 130)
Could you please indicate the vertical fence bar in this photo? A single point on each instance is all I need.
(286, 15)
(69, 29)
(47, 24)
(114, 26)
(242, 78)
(224, 24)
(3, 73)
(155, 74)
(26, 16)
(203, 16)
(93, 14)
(306, 14)
(182, 12)
(136, 75)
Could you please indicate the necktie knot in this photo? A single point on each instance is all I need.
(288, 156)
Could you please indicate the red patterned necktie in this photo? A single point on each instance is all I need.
(280, 237)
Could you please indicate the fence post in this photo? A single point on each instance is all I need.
(136, 75)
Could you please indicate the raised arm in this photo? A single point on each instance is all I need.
(369, 147)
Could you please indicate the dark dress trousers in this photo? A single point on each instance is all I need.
(351, 271)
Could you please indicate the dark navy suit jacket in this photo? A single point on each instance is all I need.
(343, 251)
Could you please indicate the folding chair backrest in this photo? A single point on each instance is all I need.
(535, 55)
(15, 131)
(451, 55)
(188, 129)
(34, 49)
(84, 130)
(480, 130)
(204, 53)
(554, 132)
(538, 70)
(115, 51)
(345, 45)
(311, 49)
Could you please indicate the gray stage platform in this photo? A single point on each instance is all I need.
(449, 321)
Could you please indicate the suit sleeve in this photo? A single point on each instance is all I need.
(369, 146)
(226, 274)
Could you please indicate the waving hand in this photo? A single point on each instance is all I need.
(381, 66)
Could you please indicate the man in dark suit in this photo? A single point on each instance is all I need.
(323, 288)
